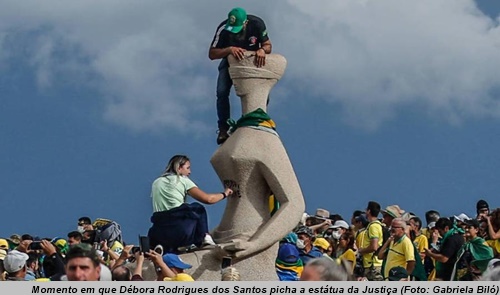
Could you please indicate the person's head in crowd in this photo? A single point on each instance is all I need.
(482, 208)
(346, 241)
(360, 222)
(82, 263)
(230, 274)
(288, 253)
(290, 238)
(472, 227)
(325, 269)
(431, 216)
(4, 244)
(3, 254)
(121, 273)
(321, 216)
(74, 237)
(460, 220)
(443, 225)
(89, 236)
(14, 241)
(322, 244)
(175, 263)
(398, 227)
(338, 229)
(305, 241)
(61, 244)
(398, 273)
(32, 266)
(391, 212)
(335, 217)
(333, 246)
(372, 210)
(415, 226)
(26, 237)
(492, 274)
(355, 214)
(493, 263)
(432, 226)
(495, 219)
(14, 264)
(84, 223)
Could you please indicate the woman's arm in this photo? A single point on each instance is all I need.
(205, 198)
(493, 235)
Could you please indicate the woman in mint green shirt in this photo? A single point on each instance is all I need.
(177, 223)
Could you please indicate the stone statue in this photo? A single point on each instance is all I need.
(254, 164)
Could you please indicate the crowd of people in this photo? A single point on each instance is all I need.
(323, 246)
(396, 246)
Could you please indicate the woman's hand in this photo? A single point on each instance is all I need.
(228, 191)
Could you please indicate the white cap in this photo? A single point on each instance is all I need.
(431, 225)
(340, 223)
(15, 261)
(462, 217)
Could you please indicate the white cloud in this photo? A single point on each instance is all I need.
(370, 57)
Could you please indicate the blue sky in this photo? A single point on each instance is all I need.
(382, 100)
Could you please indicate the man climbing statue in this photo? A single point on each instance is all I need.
(235, 35)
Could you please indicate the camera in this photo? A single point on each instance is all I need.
(35, 245)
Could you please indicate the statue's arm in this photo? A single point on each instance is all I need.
(280, 177)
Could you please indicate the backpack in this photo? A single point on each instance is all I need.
(107, 230)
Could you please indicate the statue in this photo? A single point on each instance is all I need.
(254, 164)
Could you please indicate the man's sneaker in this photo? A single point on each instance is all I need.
(208, 241)
(159, 249)
(222, 136)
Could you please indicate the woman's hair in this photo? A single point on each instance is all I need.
(174, 164)
(349, 237)
(495, 219)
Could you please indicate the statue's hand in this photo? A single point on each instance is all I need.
(239, 248)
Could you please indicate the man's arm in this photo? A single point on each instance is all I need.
(410, 266)
(382, 253)
(371, 248)
(438, 257)
(218, 53)
(267, 46)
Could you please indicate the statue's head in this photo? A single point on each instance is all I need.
(246, 75)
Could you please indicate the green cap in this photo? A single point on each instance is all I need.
(236, 19)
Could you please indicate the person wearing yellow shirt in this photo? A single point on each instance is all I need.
(346, 246)
(419, 240)
(372, 240)
(398, 249)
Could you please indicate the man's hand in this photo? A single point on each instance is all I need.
(238, 52)
(48, 248)
(104, 246)
(24, 246)
(260, 58)
(155, 257)
(126, 252)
